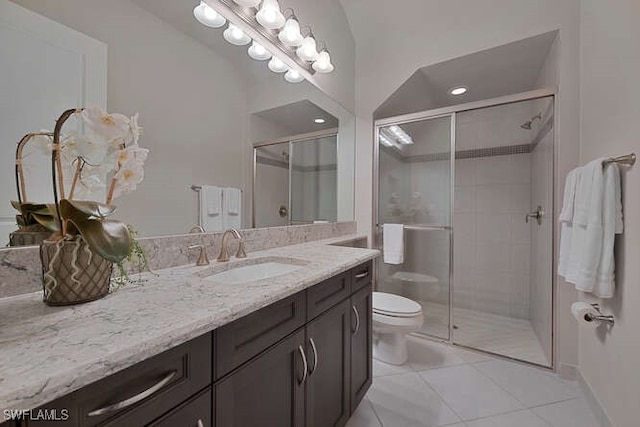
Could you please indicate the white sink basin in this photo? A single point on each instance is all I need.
(253, 272)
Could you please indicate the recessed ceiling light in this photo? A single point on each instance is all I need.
(319, 121)
(458, 90)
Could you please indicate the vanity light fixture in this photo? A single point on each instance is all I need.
(401, 136)
(236, 36)
(258, 52)
(270, 16)
(274, 35)
(458, 90)
(290, 35)
(207, 16)
(248, 3)
(293, 76)
(319, 120)
(277, 66)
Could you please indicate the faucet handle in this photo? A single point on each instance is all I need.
(202, 258)
(241, 252)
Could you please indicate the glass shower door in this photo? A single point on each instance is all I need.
(414, 189)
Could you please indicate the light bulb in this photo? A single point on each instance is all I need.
(258, 52)
(207, 16)
(277, 66)
(234, 35)
(323, 63)
(248, 3)
(269, 15)
(307, 50)
(290, 34)
(293, 76)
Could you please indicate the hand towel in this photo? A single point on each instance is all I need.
(566, 214)
(210, 200)
(393, 243)
(566, 221)
(232, 197)
(587, 186)
(604, 286)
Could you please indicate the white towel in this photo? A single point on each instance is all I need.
(232, 198)
(232, 208)
(566, 220)
(210, 208)
(393, 242)
(604, 286)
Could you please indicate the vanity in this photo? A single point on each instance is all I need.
(289, 350)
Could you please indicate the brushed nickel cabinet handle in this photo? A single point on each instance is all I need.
(134, 399)
(200, 424)
(362, 275)
(315, 356)
(355, 311)
(305, 365)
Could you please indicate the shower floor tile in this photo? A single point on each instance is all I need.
(502, 335)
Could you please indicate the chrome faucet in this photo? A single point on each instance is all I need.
(202, 258)
(224, 251)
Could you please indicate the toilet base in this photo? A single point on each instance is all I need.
(390, 348)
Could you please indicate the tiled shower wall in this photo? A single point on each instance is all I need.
(492, 241)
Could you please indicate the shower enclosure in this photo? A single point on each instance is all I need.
(473, 186)
(295, 180)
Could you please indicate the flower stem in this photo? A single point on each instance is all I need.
(76, 177)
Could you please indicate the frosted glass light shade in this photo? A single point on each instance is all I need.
(290, 35)
(207, 16)
(323, 63)
(293, 76)
(247, 3)
(308, 49)
(258, 52)
(269, 15)
(277, 66)
(236, 36)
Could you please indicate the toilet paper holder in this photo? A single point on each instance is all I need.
(599, 317)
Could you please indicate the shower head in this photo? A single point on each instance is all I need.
(527, 125)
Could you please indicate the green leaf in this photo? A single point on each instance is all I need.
(108, 238)
(47, 221)
(91, 208)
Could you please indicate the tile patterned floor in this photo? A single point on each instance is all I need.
(444, 385)
(503, 335)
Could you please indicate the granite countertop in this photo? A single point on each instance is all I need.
(48, 352)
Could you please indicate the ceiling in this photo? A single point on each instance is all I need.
(298, 117)
(504, 70)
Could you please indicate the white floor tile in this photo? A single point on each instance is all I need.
(524, 418)
(469, 393)
(364, 416)
(407, 401)
(425, 354)
(570, 413)
(381, 369)
(531, 386)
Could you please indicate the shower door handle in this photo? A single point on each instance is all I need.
(537, 214)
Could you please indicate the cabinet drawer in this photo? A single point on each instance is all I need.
(194, 413)
(362, 276)
(244, 338)
(140, 393)
(325, 295)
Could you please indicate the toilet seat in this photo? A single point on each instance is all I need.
(395, 305)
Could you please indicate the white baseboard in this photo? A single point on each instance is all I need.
(592, 401)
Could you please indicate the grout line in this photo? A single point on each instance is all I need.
(511, 412)
(373, 408)
(462, 420)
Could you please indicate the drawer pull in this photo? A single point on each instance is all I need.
(200, 424)
(355, 311)
(315, 356)
(362, 275)
(135, 399)
(305, 365)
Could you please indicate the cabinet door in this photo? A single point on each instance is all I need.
(267, 391)
(361, 344)
(328, 352)
(196, 412)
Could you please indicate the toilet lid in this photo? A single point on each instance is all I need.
(395, 305)
(407, 276)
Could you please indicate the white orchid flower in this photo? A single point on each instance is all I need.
(92, 181)
(128, 177)
(92, 148)
(113, 127)
(134, 131)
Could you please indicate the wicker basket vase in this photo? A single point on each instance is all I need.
(28, 238)
(72, 273)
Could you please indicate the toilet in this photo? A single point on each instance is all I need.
(394, 317)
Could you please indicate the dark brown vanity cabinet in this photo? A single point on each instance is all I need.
(303, 361)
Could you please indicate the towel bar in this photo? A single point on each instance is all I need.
(628, 159)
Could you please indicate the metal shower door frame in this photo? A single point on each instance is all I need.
(452, 112)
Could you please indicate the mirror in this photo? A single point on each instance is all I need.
(203, 104)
